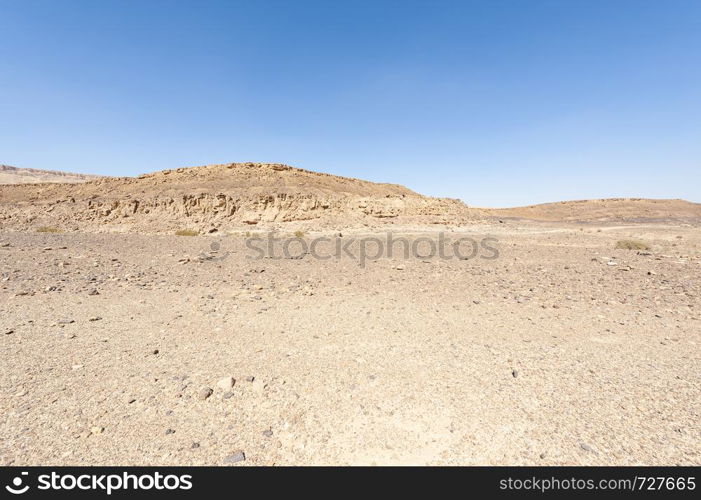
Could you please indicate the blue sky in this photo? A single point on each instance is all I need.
(498, 103)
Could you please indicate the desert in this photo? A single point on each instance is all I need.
(139, 328)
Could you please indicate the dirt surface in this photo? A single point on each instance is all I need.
(120, 349)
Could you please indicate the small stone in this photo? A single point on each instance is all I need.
(250, 378)
(170, 431)
(514, 373)
(76, 367)
(93, 292)
(258, 386)
(95, 318)
(8, 332)
(226, 383)
(400, 267)
(587, 447)
(195, 445)
(239, 456)
(204, 393)
(476, 302)
(268, 433)
(154, 351)
(228, 395)
(65, 321)
(97, 430)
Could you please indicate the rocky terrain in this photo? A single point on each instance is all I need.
(221, 198)
(15, 175)
(570, 335)
(607, 210)
(147, 349)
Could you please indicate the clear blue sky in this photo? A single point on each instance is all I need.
(498, 103)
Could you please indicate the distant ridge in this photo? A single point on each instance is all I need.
(605, 210)
(16, 175)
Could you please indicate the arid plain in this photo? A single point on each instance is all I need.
(578, 342)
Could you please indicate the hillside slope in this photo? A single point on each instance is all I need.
(217, 197)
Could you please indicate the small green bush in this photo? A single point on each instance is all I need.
(48, 229)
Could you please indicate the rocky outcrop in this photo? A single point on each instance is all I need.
(222, 197)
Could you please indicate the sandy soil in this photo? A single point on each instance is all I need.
(561, 351)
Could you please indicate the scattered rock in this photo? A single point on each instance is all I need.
(268, 433)
(65, 321)
(8, 332)
(239, 456)
(204, 393)
(95, 318)
(195, 445)
(93, 292)
(97, 430)
(514, 373)
(169, 431)
(250, 378)
(587, 447)
(226, 383)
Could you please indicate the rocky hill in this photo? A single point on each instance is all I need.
(221, 197)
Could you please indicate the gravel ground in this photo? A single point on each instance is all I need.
(122, 349)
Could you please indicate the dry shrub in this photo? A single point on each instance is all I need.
(631, 245)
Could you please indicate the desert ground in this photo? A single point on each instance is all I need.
(121, 349)
(125, 344)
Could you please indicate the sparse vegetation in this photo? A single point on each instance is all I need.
(48, 229)
(631, 245)
(299, 234)
(186, 232)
